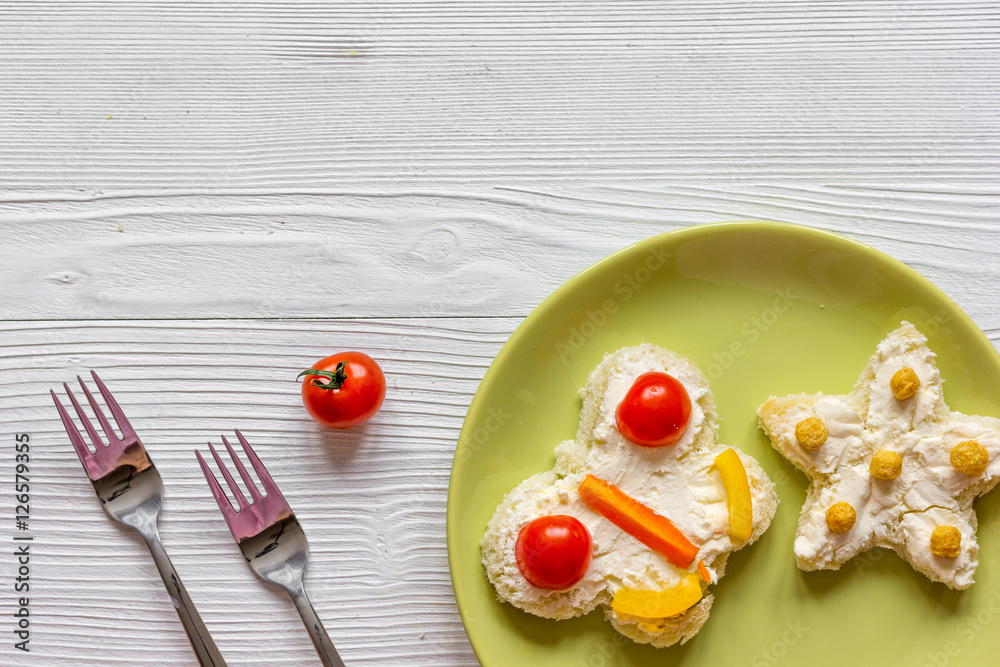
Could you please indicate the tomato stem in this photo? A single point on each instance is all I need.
(336, 378)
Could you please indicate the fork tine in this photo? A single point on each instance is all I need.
(251, 487)
(269, 486)
(229, 479)
(123, 424)
(112, 436)
(220, 497)
(74, 435)
(96, 439)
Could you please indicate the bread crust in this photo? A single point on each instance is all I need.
(777, 414)
(570, 459)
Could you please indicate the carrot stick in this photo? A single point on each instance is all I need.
(638, 520)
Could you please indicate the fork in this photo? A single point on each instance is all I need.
(131, 491)
(270, 537)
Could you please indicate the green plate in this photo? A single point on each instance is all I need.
(763, 309)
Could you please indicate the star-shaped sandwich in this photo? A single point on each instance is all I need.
(889, 465)
(640, 511)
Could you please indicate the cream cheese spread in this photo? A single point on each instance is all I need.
(899, 513)
(622, 377)
(677, 484)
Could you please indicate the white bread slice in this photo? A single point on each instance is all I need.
(682, 628)
(570, 466)
(777, 417)
(501, 567)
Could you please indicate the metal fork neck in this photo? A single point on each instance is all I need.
(317, 633)
(201, 641)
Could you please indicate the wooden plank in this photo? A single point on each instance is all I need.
(267, 95)
(454, 252)
(371, 500)
(257, 157)
(423, 159)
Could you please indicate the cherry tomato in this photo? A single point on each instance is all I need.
(553, 552)
(656, 410)
(343, 390)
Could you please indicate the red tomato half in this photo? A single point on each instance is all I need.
(656, 410)
(553, 552)
(359, 395)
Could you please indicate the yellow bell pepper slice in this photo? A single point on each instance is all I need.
(734, 479)
(659, 604)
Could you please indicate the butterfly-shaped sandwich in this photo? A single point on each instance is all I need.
(639, 512)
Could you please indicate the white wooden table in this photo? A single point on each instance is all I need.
(200, 199)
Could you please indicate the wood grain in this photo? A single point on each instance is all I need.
(371, 500)
(104, 96)
(176, 178)
(473, 251)
(251, 159)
